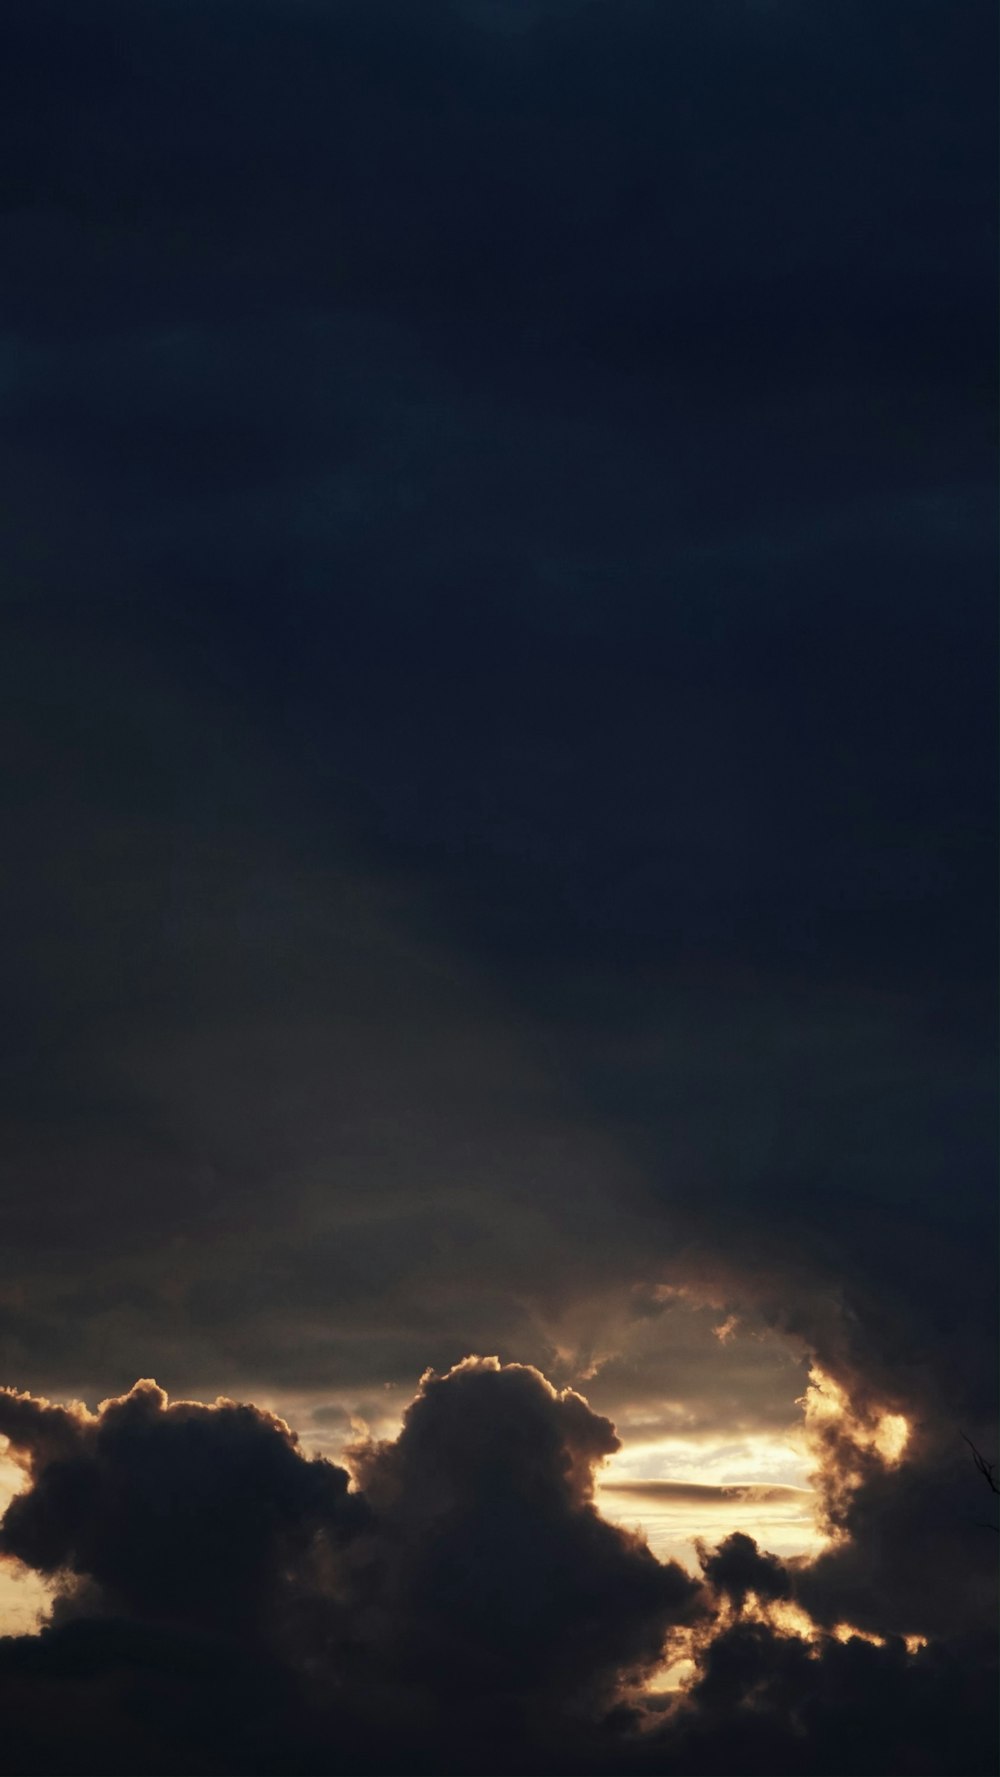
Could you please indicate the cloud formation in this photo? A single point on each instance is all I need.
(500, 1570)
(601, 457)
(468, 1583)
(181, 1513)
(222, 1602)
(500, 566)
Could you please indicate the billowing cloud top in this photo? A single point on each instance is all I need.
(231, 1605)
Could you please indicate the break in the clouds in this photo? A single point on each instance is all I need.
(498, 558)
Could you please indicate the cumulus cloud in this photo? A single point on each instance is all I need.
(187, 1514)
(490, 841)
(499, 1570)
(223, 1602)
(768, 1701)
(737, 1567)
(467, 1582)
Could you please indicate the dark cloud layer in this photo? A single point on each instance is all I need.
(507, 1578)
(769, 1702)
(184, 1513)
(225, 1604)
(469, 1594)
(498, 557)
(500, 546)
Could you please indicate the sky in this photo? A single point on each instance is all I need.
(499, 542)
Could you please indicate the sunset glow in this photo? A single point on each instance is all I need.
(676, 1490)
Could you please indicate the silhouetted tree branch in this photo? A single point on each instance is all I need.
(988, 1470)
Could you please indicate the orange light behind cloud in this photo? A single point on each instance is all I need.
(826, 1403)
(676, 1490)
(23, 1595)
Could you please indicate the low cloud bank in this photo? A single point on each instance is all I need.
(224, 1604)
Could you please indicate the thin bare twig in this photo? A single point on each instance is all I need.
(988, 1470)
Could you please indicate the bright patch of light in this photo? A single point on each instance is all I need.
(754, 1458)
(784, 1523)
(892, 1434)
(674, 1677)
(827, 1406)
(24, 1596)
(846, 1632)
(783, 1615)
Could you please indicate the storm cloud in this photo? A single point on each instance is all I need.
(467, 1592)
(499, 624)
(227, 1603)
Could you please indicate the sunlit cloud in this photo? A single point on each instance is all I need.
(24, 1596)
(782, 1616)
(847, 1439)
(827, 1405)
(914, 1643)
